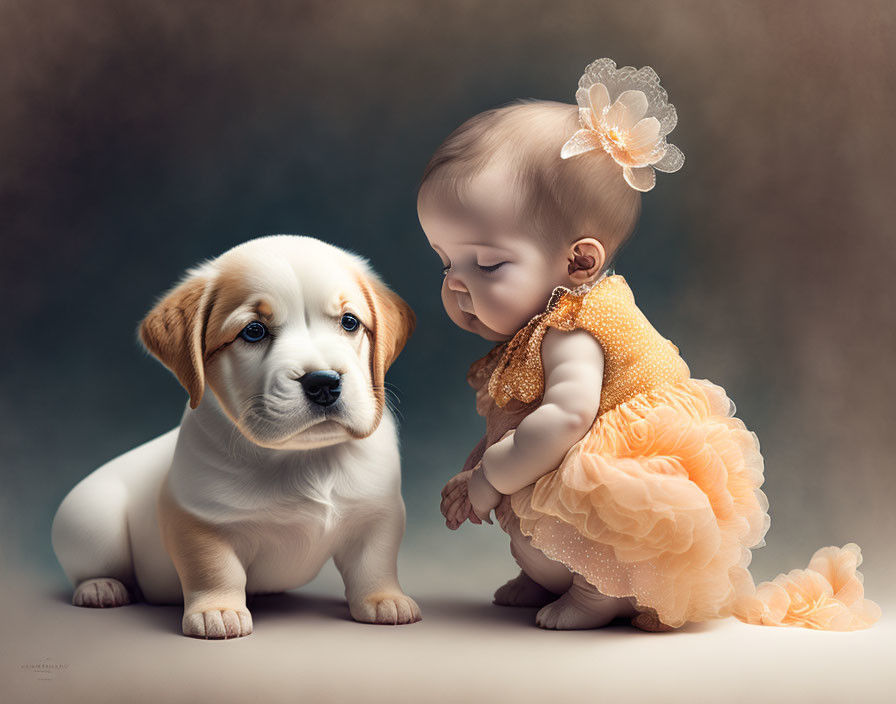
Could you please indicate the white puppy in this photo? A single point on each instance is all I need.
(286, 456)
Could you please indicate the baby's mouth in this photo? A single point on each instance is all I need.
(465, 305)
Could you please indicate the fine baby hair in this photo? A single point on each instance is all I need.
(620, 123)
(558, 200)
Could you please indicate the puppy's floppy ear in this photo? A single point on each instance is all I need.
(392, 325)
(174, 332)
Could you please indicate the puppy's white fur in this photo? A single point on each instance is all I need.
(258, 487)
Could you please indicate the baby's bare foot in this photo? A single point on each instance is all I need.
(100, 593)
(583, 607)
(649, 622)
(523, 591)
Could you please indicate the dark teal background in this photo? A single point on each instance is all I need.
(139, 138)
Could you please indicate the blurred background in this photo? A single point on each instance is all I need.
(138, 138)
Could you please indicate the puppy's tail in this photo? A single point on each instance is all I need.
(828, 595)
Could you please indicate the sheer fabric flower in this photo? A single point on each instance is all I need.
(626, 113)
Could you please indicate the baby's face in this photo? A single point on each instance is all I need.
(495, 276)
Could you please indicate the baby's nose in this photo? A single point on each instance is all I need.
(454, 283)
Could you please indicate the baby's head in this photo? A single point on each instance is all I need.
(511, 219)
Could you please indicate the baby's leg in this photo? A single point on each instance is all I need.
(541, 578)
(583, 606)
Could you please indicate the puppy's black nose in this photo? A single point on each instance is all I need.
(322, 387)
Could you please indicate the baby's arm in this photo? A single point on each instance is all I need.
(476, 455)
(573, 375)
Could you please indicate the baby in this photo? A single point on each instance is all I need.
(627, 488)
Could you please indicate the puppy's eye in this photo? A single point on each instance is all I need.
(349, 322)
(492, 267)
(254, 332)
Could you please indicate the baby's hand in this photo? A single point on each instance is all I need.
(456, 507)
(483, 496)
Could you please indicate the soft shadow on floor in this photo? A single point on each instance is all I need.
(472, 611)
(477, 612)
(298, 605)
(157, 617)
(62, 595)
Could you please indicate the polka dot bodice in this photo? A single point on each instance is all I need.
(636, 357)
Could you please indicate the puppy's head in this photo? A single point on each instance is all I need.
(292, 335)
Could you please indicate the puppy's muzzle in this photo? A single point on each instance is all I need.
(322, 387)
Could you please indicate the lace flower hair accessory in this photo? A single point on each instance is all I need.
(626, 113)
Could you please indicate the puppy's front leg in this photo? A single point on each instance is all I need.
(368, 564)
(212, 577)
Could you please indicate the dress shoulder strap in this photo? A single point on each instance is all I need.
(636, 357)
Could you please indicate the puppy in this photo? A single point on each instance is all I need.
(286, 455)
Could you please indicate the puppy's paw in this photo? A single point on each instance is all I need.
(389, 608)
(218, 623)
(100, 593)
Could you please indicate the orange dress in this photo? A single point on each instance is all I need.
(661, 499)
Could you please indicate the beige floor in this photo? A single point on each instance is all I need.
(305, 649)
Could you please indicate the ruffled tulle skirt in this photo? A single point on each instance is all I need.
(828, 595)
(661, 501)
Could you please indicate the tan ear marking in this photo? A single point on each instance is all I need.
(174, 332)
(393, 322)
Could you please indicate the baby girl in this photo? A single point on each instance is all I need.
(628, 489)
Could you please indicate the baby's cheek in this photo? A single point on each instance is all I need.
(515, 297)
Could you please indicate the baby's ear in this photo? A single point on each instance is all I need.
(174, 332)
(586, 258)
(393, 322)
